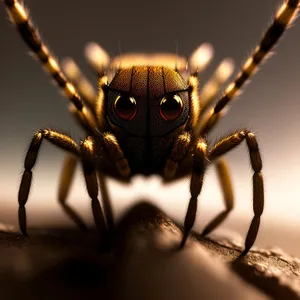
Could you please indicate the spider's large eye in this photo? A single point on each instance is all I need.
(125, 107)
(171, 107)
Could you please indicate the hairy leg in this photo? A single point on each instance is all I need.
(89, 170)
(59, 139)
(283, 19)
(199, 162)
(178, 153)
(116, 154)
(31, 37)
(226, 145)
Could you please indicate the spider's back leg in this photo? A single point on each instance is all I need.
(32, 38)
(82, 84)
(65, 182)
(284, 17)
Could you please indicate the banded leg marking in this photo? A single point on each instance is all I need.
(213, 85)
(30, 35)
(284, 17)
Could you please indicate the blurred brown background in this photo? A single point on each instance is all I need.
(269, 106)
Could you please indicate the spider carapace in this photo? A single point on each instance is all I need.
(147, 108)
(147, 117)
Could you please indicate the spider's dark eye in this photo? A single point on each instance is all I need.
(171, 107)
(125, 107)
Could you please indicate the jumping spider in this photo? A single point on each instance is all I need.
(146, 119)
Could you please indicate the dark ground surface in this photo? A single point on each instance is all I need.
(144, 264)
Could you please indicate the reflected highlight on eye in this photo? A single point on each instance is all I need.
(125, 107)
(171, 107)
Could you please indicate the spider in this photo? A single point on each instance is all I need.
(146, 118)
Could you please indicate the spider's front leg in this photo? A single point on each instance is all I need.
(61, 140)
(65, 182)
(199, 164)
(180, 150)
(89, 169)
(229, 143)
(110, 148)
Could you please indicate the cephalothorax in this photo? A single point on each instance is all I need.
(147, 118)
(146, 109)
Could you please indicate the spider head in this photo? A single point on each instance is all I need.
(147, 101)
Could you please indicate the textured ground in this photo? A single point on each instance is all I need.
(145, 264)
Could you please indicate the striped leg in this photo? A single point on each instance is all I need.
(31, 37)
(93, 101)
(229, 143)
(284, 17)
(214, 84)
(61, 140)
(209, 91)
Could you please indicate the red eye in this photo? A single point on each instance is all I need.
(171, 107)
(125, 107)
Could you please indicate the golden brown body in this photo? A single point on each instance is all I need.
(146, 120)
